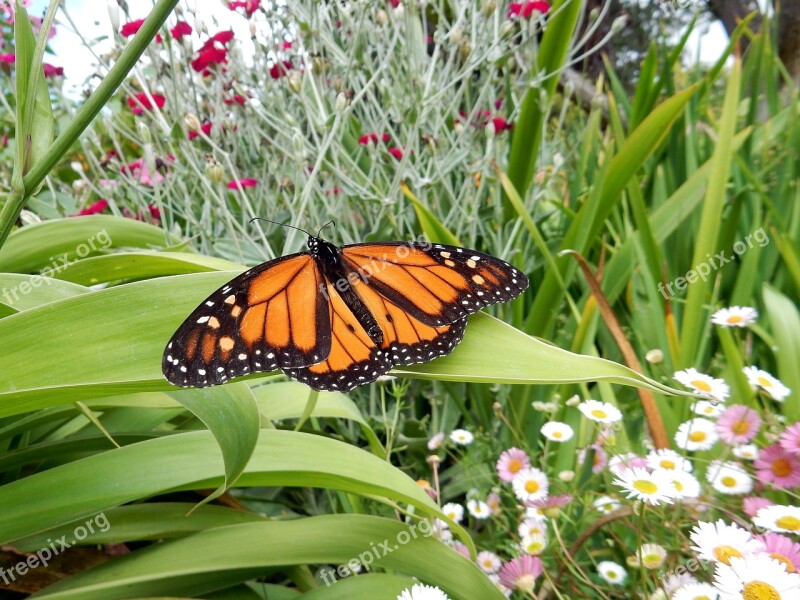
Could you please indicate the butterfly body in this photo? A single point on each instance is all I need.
(338, 317)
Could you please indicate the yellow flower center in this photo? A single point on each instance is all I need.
(789, 523)
(733, 319)
(740, 427)
(728, 481)
(645, 486)
(760, 590)
(678, 485)
(535, 547)
(531, 486)
(611, 575)
(724, 554)
(514, 465)
(557, 434)
(764, 382)
(600, 414)
(697, 436)
(668, 464)
(700, 385)
(789, 565)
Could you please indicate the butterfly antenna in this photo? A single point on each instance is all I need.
(281, 224)
(324, 226)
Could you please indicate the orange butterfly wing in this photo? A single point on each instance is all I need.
(272, 316)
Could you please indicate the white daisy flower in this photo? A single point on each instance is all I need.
(530, 484)
(423, 592)
(735, 316)
(761, 379)
(779, 517)
(533, 544)
(489, 562)
(436, 441)
(728, 477)
(479, 509)
(756, 576)
(651, 556)
(719, 542)
(685, 485)
(674, 581)
(601, 412)
(667, 459)
(556, 431)
(696, 434)
(612, 572)
(695, 591)
(532, 526)
(462, 437)
(746, 451)
(606, 504)
(704, 408)
(653, 488)
(454, 511)
(441, 531)
(495, 579)
(548, 407)
(703, 384)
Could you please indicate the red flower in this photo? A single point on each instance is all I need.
(238, 99)
(396, 151)
(140, 102)
(209, 56)
(242, 183)
(223, 37)
(155, 214)
(395, 3)
(280, 69)
(8, 58)
(129, 29)
(526, 9)
(365, 139)
(249, 6)
(92, 209)
(205, 128)
(181, 29)
(500, 124)
(51, 71)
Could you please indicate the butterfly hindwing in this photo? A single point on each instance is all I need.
(272, 316)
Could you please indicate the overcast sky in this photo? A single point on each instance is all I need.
(94, 23)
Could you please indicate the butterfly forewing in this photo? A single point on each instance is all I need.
(272, 316)
(435, 283)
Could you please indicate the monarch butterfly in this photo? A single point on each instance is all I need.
(338, 317)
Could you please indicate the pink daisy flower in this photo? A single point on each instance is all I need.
(511, 462)
(778, 467)
(521, 573)
(752, 504)
(626, 460)
(782, 549)
(738, 424)
(790, 439)
(461, 549)
(552, 505)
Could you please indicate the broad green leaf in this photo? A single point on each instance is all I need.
(495, 352)
(286, 400)
(149, 521)
(27, 291)
(231, 414)
(48, 246)
(133, 266)
(202, 562)
(375, 586)
(695, 323)
(129, 326)
(785, 320)
(191, 461)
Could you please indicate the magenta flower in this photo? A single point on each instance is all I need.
(139, 102)
(92, 209)
(782, 549)
(138, 170)
(600, 458)
(246, 182)
(280, 69)
(738, 424)
(778, 467)
(511, 462)
(790, 439)
(9, 58)
(249, 6)
(51, 71)
(396, 152)
(752, 504)
(129, 29)
(205, 128)
(526, 9)
(365, 139)
(181, 29)
(521, 573)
